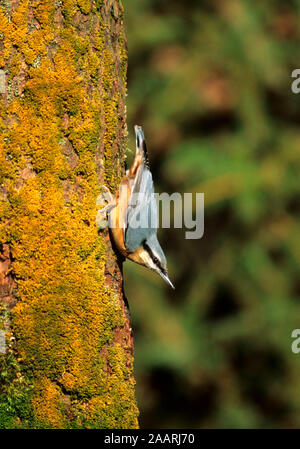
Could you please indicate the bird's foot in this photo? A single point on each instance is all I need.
(107, 202)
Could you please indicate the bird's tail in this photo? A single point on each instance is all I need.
(140, 143)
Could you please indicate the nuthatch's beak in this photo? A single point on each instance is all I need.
(166, 278)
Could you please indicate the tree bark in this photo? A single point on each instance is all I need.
(68, 355)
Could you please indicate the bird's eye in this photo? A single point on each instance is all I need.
(155, 260)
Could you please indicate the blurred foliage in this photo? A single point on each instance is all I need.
(210, 81)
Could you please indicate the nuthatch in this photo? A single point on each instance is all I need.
(135, 203)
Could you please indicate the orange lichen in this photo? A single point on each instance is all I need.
(65, 314)
(47, 405)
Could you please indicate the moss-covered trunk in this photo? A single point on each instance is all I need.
(68, 354)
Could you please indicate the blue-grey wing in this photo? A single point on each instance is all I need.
(142, 216)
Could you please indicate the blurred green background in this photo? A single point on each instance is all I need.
(210, 81)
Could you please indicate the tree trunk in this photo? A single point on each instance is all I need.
(67, 358)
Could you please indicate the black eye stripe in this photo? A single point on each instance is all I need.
(154, 258)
